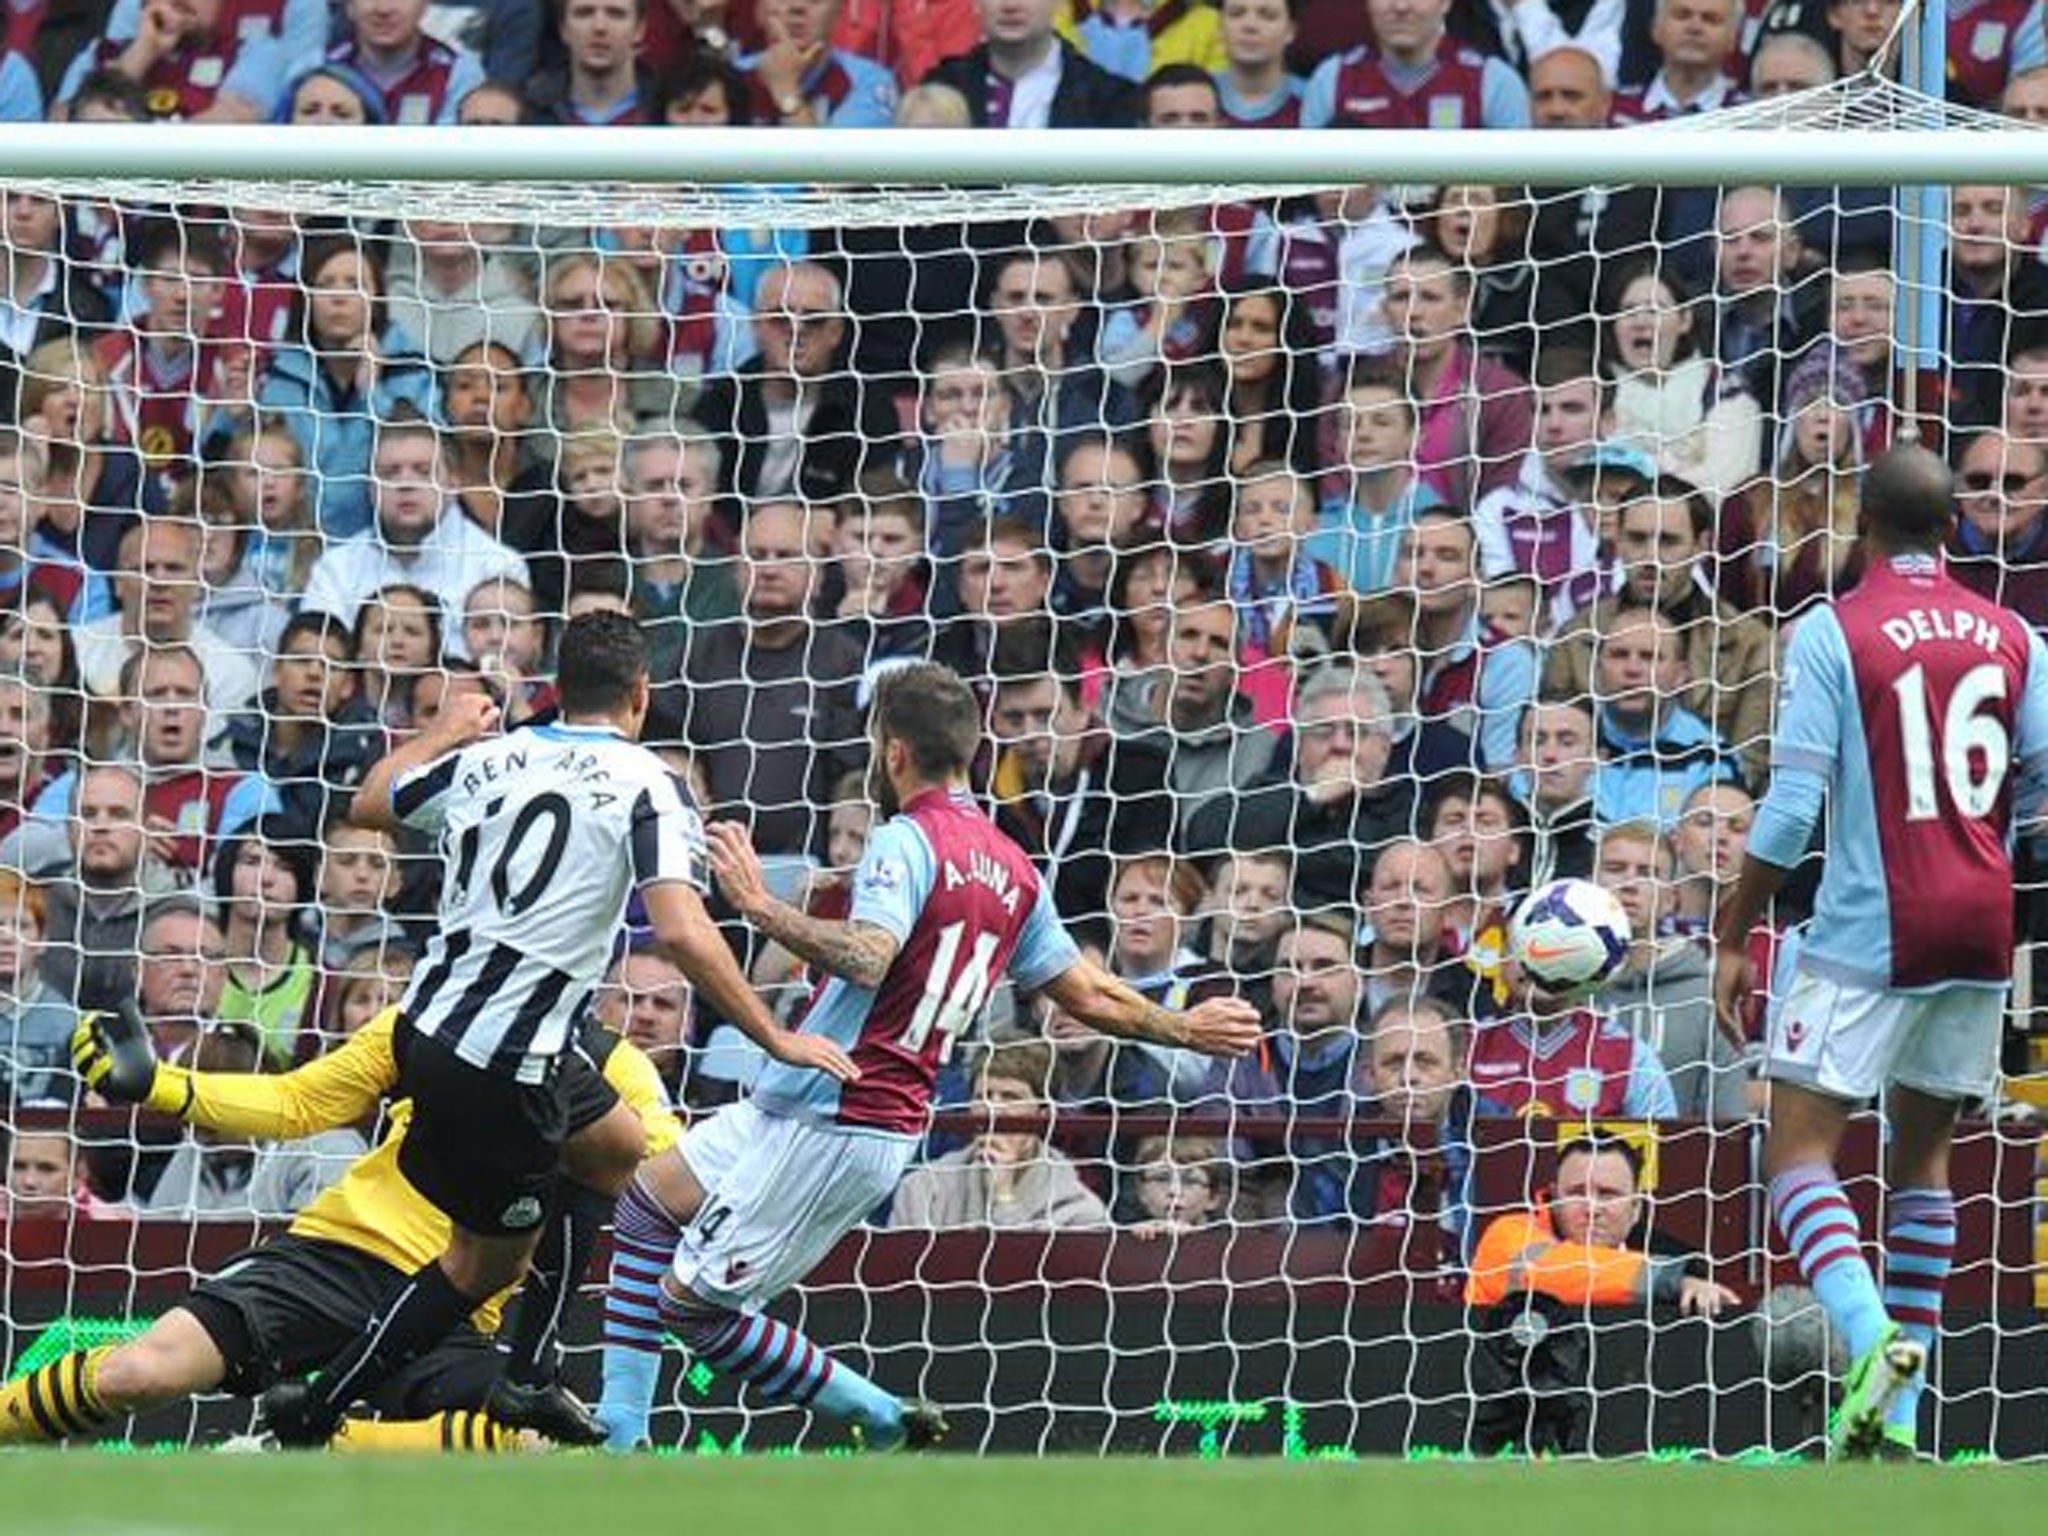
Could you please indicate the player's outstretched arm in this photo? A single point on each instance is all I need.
(466, 717)
(112, 1053)
(700, 952)
(1218, 1026)
(857, 952)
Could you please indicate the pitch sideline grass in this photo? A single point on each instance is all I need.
(81, 1494)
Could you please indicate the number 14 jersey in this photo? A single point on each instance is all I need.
(1916, 701)
(965, 905)
(544, 834)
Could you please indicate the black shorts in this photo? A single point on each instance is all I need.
(292, 1304)
(484, 1147)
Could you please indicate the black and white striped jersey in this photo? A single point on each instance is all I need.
(544, 835)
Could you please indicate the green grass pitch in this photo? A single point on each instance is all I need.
(81, 1494)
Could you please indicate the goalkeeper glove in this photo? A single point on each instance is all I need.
(112, 1053)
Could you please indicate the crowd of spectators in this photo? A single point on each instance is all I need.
(1334, 567)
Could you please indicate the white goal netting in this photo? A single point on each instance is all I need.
(1335, 564)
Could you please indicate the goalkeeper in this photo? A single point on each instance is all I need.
(285, 1307)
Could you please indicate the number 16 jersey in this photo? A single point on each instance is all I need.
(1916, 701)
(544, 834)
(964, 905)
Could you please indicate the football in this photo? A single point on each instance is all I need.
(1569, 937)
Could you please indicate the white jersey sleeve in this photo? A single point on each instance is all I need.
(420, 798)
(668, 837)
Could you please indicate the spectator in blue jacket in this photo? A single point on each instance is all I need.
(343, 371)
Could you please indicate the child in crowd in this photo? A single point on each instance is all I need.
(588, 474)
(372, 981)
(262, 878)
(1508, 606)
(1002, 1178)
(1171, 267)
(311, 736)
(397, 639)
(1359, 526)
(1177, 1184)
(1286, 597)
(358, 885)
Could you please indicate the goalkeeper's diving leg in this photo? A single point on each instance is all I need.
(85, 1391)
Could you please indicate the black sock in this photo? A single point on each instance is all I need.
(576, 1214)
(417, 1319)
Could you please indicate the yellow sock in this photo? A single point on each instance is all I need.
(55, 1401)
(458, 1430)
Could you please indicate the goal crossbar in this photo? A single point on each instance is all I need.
(860, 157)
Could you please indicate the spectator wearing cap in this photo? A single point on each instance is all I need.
(1663, 542)
(1792, 538)
(35, 1023)
(1025, 75)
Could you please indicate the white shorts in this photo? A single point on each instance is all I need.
(1848, 1041)
(778, 1193)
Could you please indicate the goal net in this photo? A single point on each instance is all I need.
(1336, 563)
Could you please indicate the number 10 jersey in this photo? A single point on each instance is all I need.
(964, 905)
(544, 834)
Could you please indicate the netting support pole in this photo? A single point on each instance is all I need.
(1922, 230)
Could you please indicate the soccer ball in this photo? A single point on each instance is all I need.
(1569, 937)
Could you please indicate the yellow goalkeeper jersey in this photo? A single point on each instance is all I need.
(373, 1207)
